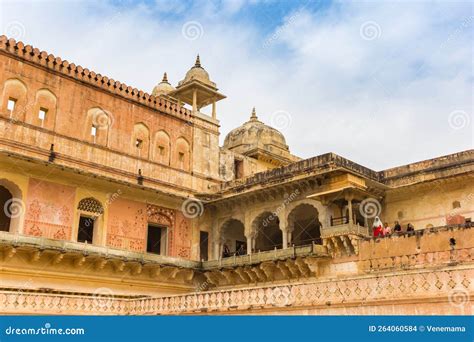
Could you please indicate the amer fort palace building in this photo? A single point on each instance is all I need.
(119, 202)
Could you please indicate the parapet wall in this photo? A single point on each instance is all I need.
(430, 240)
(442, 292)
(56, 64)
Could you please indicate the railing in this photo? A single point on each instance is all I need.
(62, 246)
(322, 161)
(407, 286)
(342, 229)
(336, 221)
(332, 159)
(291, 252)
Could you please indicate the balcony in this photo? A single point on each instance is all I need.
(345, 229)
(273, 255)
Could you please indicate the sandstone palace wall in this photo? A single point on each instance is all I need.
(115, 201)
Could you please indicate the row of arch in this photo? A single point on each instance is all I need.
(303, 227)
(158, 147)
(15, 104)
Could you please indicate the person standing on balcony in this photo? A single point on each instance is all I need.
(226, 251)
(398, 228)
(241, 250)
(377, 227)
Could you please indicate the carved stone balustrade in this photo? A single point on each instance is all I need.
(343, 240)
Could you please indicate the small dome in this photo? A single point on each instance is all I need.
(198, 73)
(163, 88)
(254, 136)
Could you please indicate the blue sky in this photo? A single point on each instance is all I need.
(381, 83)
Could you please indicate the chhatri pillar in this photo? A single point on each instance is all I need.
(197, 89)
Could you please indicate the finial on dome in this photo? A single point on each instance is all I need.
(163, 88)
(253, 117)
(198, 62)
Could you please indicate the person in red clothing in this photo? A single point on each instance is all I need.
(377, 227)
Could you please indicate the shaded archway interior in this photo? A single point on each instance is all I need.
(304, 225)
(5, 201)
(233, 238)
(268, 235)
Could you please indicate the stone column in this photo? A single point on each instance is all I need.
(214, 109)
(349, 205)
(284, 232)
(195, 101)
(325, 215)
(217, 251)
(249, 234)
(215, 238)
(249, 245)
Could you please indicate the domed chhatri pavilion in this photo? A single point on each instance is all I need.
(257, 140)
(135, 208)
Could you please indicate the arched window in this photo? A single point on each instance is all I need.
(181, 158)
(161, 151)
(14, 99)
(140, 140)
(44, 110)
(98, 125)
(90, 211)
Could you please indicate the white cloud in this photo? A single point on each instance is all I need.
(380, 102)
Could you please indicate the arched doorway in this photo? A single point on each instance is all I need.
(303, 222)
(12, 207)
(268, 235)
(6, 201)
(233, 238)
(90, 212)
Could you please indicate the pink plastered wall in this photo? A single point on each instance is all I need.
(127, 225)
(49, 209)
